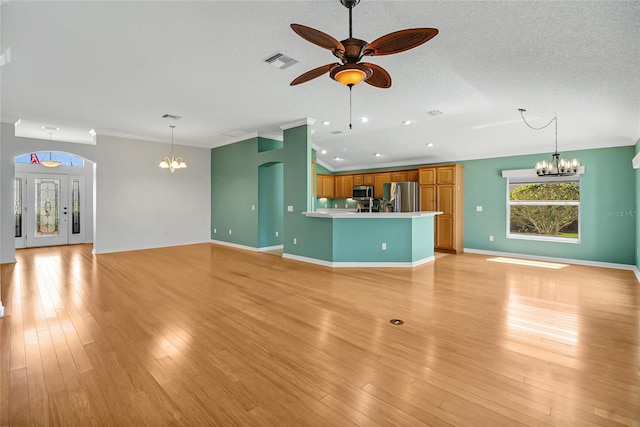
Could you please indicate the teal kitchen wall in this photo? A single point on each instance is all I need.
(609, 193)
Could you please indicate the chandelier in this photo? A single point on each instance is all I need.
(52, 162)
(172, 163)
(556, 166)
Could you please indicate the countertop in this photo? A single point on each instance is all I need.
(345, 213)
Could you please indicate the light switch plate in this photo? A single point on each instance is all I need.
(478, 208)
(290, 208)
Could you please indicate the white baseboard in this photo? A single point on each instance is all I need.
(143, 248)
(359, 264)
(554, 259)
(637, 273)
(1, 311)
(270, 248)
(235, 245)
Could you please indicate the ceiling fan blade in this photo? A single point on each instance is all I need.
(312, 74)
(400, 41)
(380, 78)
(317, 37)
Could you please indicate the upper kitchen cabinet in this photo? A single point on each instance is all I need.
(325, 186)
(442, 189)
(368, 179)
(343, 186)
(412, 175)
(379, 180)
(358, 179)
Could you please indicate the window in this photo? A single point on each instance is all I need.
(546, 209)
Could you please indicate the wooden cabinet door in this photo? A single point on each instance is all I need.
(368, 179)
(444, 232)
(339, 186)
(400, 176)
(446, 198)
(380, 179)
(358, 180)
(412, 175)
(319, 190)
(446, 175)
(427, 176)
(348, 186)
(327, 186)
(427, 197)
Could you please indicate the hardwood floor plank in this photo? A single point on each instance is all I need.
(211, 335)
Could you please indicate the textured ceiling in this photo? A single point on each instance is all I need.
(117, 67)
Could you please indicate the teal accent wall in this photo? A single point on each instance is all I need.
(270, 204)
(238, 183)
(607, 213)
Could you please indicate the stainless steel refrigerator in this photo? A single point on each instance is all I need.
(402, 196)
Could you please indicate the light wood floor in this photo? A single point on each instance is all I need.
(209, 335)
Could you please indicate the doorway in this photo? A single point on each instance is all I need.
(49, 209)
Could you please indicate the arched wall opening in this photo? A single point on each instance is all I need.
(73, 221)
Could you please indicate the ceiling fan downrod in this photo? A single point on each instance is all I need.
(350, 4)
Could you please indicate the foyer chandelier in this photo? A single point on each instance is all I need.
(172, 163)
(52, 162)
(556, 166)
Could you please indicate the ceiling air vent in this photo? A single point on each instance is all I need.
(280, 60)
(171, 116)
(336, 132)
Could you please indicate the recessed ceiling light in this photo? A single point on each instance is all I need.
(326, 123)
(324, 151)
(364, 119)
(434, 113)
(406, 122)
(337, 158)
(430, 144)
(377, 154)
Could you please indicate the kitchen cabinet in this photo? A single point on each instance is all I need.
(441, 189)
(325, 186)
(412, 175)
(380, 179)
(400, 176)
(358, 179)
(343, 186)
(368, 179)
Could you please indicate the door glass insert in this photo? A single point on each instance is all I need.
(47, 207)
(17, 191)
(75, 206)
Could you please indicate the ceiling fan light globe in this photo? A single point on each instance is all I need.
(164, 164)
(351, 76)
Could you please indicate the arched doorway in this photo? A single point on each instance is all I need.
(53, 205)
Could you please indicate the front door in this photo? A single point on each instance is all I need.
(47, 215)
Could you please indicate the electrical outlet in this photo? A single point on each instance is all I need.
(346, 205)
(478, 208)
(295, 241)
(215, 231)
(253, 207)
(290, 208)
(335, 206)
(384, 246)
(491, 238)
(325, 205)
(276, 234)
(229, 231)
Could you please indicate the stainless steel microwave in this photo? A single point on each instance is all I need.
(362, 192)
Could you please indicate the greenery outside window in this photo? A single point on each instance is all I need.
(546, 209)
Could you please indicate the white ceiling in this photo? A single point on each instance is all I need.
(117, 67)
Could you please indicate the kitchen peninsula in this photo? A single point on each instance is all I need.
(385, 239)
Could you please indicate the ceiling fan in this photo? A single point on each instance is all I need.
(350, 51)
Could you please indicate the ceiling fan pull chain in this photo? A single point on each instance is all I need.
(350, 120)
